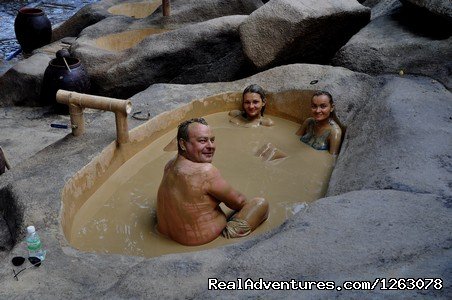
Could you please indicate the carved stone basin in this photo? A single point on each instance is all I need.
(126, 39)
(137, 10)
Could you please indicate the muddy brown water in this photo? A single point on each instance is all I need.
(126, 39)
(120, 216)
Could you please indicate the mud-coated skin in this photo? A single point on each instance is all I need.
(252, 114)
(321, 127)
(191, 190)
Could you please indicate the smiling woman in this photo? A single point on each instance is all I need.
(320, 131)
(253, 105)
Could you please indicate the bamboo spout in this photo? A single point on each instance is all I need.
(166, 7)
(77, 102)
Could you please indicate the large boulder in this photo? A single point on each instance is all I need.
(201, 52)
(198, 59)
(413, 134)
(284, 31)
(381, 7)
(21, 85)
(397, 42)
(86, 16)
(438, 7)
(182, 12)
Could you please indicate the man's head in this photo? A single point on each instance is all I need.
(195, 140)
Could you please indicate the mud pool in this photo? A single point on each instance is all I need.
(120, 216)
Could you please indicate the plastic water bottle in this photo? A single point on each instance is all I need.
(34, 245)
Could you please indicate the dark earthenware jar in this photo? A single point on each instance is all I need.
(33, 29)
(57, 76)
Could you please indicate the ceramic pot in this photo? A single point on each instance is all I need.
(33, 29)
(57, 76)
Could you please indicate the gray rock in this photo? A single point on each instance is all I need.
(377, 221)
(21, 85)
(397, 41)
(193, 55)
(182, 12)
(19, 127)
(381, 7)
(309, 31)
(414, 133)
(206, 51)
(437, 7)
(194, 11)
(86, 16)
(5, 236)
(11, 217)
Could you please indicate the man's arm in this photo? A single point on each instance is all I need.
(222, 191)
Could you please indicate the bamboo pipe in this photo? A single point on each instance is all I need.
(166, 7)
(77, 102)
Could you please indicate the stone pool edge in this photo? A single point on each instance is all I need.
(167, 275)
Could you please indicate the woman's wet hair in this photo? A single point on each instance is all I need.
(254, 88)
(323, 93)
(182, 130)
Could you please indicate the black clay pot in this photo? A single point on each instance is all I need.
(33, 29)
(57, 76)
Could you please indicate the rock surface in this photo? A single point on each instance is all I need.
(376, 222)
(203, 52)
(397, 42)
(86, 16)
(309, 31)
(381, 7)
(182, 12)
(437, 7)
(206, 51)
(21, 85)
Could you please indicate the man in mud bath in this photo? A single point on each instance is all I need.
(192, 188)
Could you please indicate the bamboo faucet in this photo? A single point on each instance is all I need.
(77, 102)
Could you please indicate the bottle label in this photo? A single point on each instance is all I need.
(34, 246)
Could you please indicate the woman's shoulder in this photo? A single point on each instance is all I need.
(309, 121)
(267, 121)
(235, 113)
(334, 125)
(335, 128)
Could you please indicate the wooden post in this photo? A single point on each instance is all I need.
(122, 127)
(166, 7)
(77, 120)
(77, 102)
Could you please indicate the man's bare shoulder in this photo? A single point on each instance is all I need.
(170, 163)
(206, 168)
(189, 167)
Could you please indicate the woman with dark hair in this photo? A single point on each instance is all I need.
(321, 131)
(253, 107)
